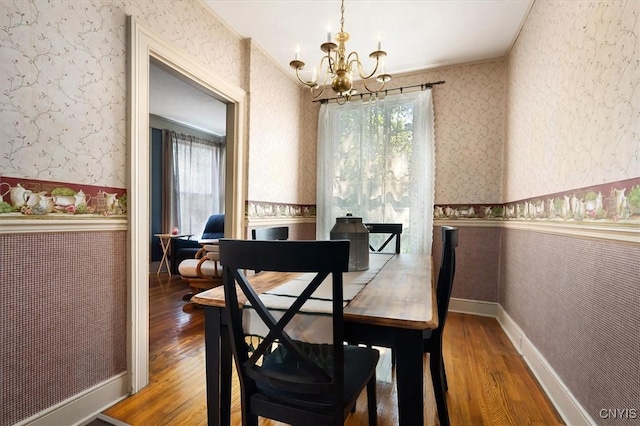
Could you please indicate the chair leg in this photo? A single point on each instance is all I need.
(436, 367)
(372, 403)
(249, 419)
(444, 376)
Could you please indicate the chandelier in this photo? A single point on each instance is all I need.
(341, 68)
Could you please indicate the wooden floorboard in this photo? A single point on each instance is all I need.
(489, 383)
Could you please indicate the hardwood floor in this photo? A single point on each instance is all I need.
(489, 383)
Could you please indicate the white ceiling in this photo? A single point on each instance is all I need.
(416, 34)
(175, 99)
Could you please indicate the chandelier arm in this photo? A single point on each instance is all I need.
(316, 96)
(306, 83)
(360, 67)
(314, 82)
(315, 85)
(331, 65)
(320, 69)
(364, 83)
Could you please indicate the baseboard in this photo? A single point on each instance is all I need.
(474, 307)
(511, 329)
(561, 397)
(83, 406)
(105, 418)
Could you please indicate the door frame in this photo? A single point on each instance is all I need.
(144, 44)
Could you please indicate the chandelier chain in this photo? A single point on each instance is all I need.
(342, 17)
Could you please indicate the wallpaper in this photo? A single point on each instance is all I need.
(63, 80)
(574, 98)
(577, 300)
(281, 165)
(63, 318)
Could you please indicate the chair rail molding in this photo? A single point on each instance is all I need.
(253, 222)
(66, 224)
(628, 233)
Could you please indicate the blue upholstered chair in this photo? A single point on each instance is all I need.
(182, 249)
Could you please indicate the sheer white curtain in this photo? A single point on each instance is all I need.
(376, 161)
(195, 169)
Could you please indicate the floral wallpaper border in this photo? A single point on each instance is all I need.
(616, 202)
(22, 197)
(259, 209)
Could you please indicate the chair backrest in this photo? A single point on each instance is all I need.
(214, 228)
(394, 229)
(276, 233)
(447, 272)
(262, 367)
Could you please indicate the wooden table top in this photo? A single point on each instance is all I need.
(401, 294)
(173, 235)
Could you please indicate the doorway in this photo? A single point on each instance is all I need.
(145, 46)
(187, 136)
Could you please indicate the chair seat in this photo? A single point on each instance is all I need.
(182, 248)
(209, 268)
(358, 361)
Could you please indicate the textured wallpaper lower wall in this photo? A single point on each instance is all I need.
(477, 257)
(62, 318)
(578, 301)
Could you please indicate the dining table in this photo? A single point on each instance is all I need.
(392, 310)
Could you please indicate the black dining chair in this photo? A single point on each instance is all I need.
(275, 233)
(282, 377)
(432, 339)
(393, 229)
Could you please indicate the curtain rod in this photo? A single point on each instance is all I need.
(421, 86)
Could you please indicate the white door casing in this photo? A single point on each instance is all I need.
(144, 44)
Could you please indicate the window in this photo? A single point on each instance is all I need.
(376, 161)
(197, 181)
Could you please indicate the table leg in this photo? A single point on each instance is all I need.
(409, 361)
(165, 244)
(225, 374)
(218, 366)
